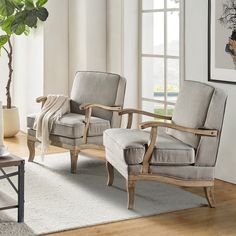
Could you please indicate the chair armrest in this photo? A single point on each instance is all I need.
(42, 100)
(131, 112)
(199, 131)
(88, 107)
(108, 108)
(153, 137)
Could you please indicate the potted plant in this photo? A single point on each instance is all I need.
(17, 17)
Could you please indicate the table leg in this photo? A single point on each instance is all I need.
(21, 173)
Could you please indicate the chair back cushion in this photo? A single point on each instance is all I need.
(208, 146)
(100, 88)
(191, 110)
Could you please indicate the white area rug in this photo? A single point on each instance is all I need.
(57, 200)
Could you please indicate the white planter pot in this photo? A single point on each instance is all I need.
(11, 122)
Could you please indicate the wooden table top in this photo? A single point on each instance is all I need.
(10, 160)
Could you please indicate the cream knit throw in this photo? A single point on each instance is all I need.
(54, 108)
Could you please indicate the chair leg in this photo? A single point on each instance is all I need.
(130, 191)
(74, 158)
(31, 147)
(110, 172)
(210, 196)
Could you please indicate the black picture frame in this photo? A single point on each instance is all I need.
(210, 79)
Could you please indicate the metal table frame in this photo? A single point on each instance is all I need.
(20, 190)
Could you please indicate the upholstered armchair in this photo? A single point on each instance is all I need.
(96, 98)
(181, 151)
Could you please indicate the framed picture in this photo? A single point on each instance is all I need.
(222, 41)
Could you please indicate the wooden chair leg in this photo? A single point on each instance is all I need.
(209, 192)
(130, 191)
(110, 172)
(74, 158)
(31, 147)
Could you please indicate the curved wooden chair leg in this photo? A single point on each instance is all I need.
(31, 147)
(209, 192)
(130, 191)
(110, 172)
(74, 158)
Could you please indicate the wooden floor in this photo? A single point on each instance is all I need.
(192, 222)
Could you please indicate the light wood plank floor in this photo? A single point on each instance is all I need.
(195, 222)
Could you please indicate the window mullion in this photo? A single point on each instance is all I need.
(165, 53)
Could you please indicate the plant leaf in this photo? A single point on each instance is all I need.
(42, 13)
(1, 21)
(17, 3)
(18, 28)
(20, 16)
(29, 5)
(6, 8)
(6, 25)
(27, 31)
(31, 19)
(3, 40)
(41, 3)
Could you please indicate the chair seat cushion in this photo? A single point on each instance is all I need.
(130, 145)
(72, 126)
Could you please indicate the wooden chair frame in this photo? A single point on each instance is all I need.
(208, 185)
(74, 150)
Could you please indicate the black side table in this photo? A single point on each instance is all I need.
(10, 161)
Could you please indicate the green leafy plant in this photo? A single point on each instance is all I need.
(18, 17)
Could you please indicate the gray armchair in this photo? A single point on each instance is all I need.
(96, 98)
(181, 151)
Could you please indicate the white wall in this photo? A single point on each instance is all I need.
(28, 73)
(196, 69)
(77, 40)
(41, 61)
(122, 43)
(56, 53)
(87, 36)
(131, 49)
(115, 37)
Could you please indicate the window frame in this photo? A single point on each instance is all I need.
(181, 56)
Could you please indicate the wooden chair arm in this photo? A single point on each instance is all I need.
(153, 138)
(88, 107)
(199, 131)
(108, 108)
(42, 100)
(131, 112)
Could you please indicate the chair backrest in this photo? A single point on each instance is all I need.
(208, 147)
(200, 105)
(100, 88)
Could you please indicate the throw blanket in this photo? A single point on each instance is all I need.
(54, 108)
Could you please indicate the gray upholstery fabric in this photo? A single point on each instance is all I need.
(130, 145)
(72, 126)
(179, 172)
(116, 118)
(100, 88)
(208, 147)
(65, 141)
(118, 162)
(191, 110)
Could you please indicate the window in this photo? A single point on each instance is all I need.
(160, 60)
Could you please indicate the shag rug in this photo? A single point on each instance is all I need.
(56, 200)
